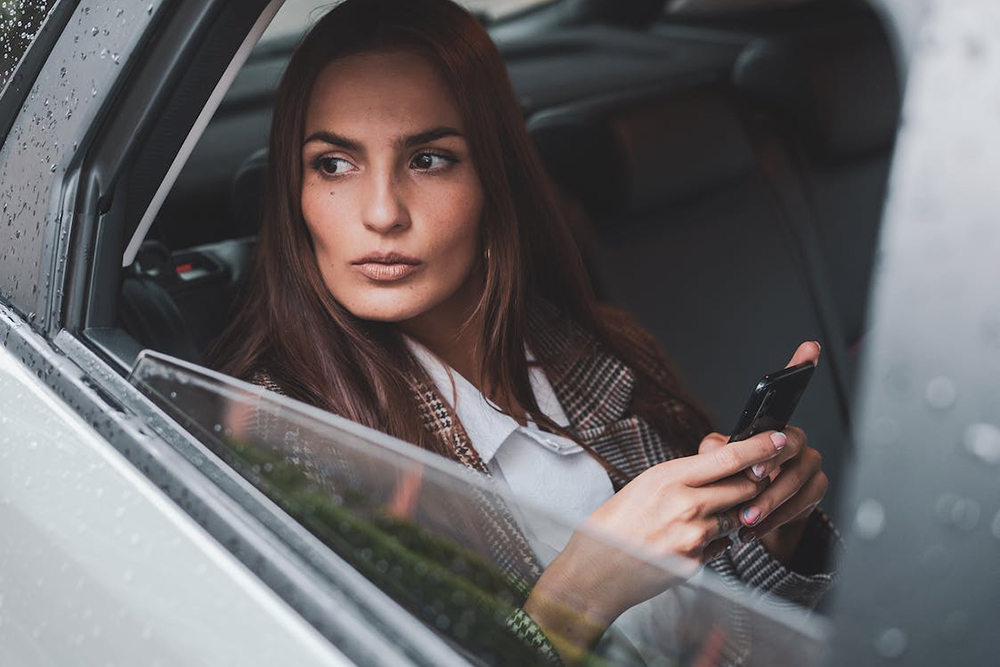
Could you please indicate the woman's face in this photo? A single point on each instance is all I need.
(389, 192)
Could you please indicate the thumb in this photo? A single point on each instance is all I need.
(808, 351)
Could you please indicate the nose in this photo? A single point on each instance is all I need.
(384, 209)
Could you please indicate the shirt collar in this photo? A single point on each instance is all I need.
(485, 425)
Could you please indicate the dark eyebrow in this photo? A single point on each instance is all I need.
(334, 140)
(403, 142)
(428, 136)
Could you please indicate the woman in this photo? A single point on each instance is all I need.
(414, 274)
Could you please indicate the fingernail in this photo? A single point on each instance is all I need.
(779, 440)
(750, 515)
(759, 470)
(818, 346)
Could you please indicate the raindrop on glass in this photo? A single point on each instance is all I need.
(891, 643)
(958, 512)
(941, 393)
(869, 520)
(983, 441)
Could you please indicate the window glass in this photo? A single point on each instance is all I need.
(295, 16)
(445, 542)
(20, 21)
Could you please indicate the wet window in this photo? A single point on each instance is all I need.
(20, 21)
(447, 544)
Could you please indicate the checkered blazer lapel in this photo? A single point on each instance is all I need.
(595, 391)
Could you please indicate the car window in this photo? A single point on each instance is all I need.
(19, 23)
(441, 540)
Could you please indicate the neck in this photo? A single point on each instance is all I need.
(452, 333)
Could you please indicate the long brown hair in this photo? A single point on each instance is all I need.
(318, 352)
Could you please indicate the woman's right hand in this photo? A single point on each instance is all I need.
(681, 507)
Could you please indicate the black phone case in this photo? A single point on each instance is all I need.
(772, 401)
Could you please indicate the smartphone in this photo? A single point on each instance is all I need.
(773, 401)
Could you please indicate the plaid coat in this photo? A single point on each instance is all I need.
(596, 392)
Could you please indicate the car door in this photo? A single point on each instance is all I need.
(114, 551)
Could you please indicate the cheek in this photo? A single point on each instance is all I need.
(323, 221)
(456, 231)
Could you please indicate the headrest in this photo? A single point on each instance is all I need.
(841, 95)
(247, 197)
(648, 155)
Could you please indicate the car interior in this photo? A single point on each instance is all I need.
(724, 169)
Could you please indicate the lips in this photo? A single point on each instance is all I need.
(386, 267)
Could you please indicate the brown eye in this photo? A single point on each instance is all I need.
(431, 161)
(333, 166)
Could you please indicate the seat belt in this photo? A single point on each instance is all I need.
(799, 221)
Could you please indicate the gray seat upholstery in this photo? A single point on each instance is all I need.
(688, 234)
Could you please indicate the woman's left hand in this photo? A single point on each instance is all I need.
(777, 516)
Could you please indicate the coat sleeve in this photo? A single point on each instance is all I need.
(803, 581)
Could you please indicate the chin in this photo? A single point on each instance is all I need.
(381, 309)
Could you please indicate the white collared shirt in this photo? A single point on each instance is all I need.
(544, 471)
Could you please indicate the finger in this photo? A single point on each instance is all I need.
(727, 493)
(812, 494)
(712, 441)
(796, 442)
(721, 524)
(722, 462)
(808, 351)
(785, 486)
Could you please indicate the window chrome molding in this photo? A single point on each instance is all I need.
(214, 100)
